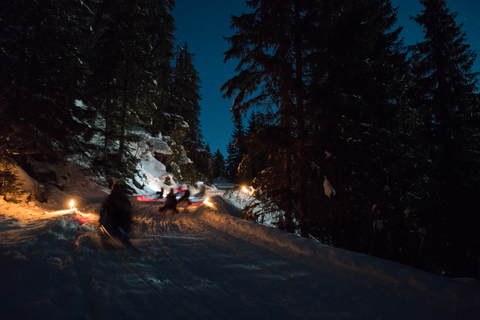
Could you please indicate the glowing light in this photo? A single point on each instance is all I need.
(74, 213)
(248, 190)
(208, 203)
(85, 217)
(68, 211)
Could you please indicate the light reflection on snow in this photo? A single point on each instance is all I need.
(248, 190)
(80, 216)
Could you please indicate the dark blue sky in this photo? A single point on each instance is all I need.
(203, 24)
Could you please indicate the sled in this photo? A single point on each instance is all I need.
(154, 197)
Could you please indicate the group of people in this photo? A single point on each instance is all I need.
(116, 215)
(171, 201)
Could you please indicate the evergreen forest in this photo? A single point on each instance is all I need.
(78, 77)
(347, 135)
(353, 138)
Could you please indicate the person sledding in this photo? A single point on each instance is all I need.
(115, 215)
(170, 203)
(184, 201)
(201, 191)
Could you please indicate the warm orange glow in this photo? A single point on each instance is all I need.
(85, 217)
(248, 190)
(208, 203)
(80, 216)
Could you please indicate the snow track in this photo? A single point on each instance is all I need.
(202, 264)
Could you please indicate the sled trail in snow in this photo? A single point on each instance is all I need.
(203, 264)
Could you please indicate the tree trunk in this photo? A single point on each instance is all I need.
(106, 133)
(300, 117)
(121, 149)
(287, 181)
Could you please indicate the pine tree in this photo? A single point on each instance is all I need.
(186, 95)
(129, 66)
(42, 72)
(271, 72)
(326, 71)
(255, 157)
(443, 91)
(229, 164)
(235, 150)
(218, 164)
(185, 102)
(354, 104)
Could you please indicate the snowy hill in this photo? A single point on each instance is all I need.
(204, 263)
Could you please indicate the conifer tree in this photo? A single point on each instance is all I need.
(186, 95)
(229, 164)
(443, 93)
(129, 65)
(42, 72)
(218, 164)
(320, 64)
(235, 150)
(255, 156)
(354, 101)
(271, 73)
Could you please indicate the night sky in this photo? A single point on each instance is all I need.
(203, 24)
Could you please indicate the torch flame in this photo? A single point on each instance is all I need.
(247, 190)
(208, 203)
(72, 204)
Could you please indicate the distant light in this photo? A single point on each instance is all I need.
(68, 211)
(208, 203)
(248, 190)
(142, 198)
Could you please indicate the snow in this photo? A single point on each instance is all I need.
(329, 190)
(204, 263)
(152, 170)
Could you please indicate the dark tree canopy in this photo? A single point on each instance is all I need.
(42, 72)
(444, 94)
(218, 165)
(343, 106)
(80, 77)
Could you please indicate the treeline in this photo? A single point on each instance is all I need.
(362, 142)
(77, 76)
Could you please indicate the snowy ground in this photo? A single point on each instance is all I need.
(204, 263)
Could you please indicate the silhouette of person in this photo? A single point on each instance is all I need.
(170, 203)
(115, 214)
(184, 201)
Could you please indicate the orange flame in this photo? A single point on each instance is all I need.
(247, 190)
(208, 203)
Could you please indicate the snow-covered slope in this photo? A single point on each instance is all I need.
(205, 263)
